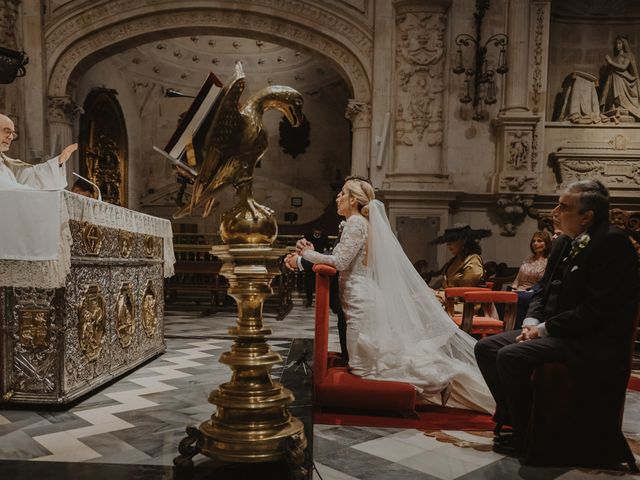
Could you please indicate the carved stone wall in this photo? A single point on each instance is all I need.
(420, 59)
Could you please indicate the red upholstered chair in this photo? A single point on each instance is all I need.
(452, 294)
(334, 387)
(487, 324)
(576, 421)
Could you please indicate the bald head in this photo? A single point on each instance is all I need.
(7, 132)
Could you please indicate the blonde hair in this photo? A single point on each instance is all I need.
(363, 192)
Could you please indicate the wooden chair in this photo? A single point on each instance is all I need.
(486, 323)
(576, 420)
(453, 294)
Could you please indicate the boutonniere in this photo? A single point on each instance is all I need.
(579, 244)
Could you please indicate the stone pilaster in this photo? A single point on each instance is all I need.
(359, 114)
(519, 126)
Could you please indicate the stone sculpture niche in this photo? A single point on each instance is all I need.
(619, 99)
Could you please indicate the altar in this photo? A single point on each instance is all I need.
(88, 305)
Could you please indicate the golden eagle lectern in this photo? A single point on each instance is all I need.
(251, 423)
(233, 142)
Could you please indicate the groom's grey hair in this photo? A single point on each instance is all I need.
(594, 196)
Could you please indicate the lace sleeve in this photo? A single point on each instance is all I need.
(351, 242)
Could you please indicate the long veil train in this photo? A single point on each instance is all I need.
(409, 337)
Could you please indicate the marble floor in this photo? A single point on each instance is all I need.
(131, 428)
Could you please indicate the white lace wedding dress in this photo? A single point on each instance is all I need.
(396, 328)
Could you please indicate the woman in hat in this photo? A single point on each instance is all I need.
(396, 328)
(465, 267)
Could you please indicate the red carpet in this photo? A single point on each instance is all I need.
(634, 384)
(431, 418)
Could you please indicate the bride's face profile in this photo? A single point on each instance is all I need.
(344, 201)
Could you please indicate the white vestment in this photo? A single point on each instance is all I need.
(18, 175)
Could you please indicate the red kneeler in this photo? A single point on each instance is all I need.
(576, 421)
(334, 387)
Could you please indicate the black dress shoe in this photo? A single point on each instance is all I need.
(503, 437)
(510, 447)
(502, 428)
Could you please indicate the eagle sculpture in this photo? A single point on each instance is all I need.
(234, 140)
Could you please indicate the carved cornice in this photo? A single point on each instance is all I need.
(76, 36)
(62, 109)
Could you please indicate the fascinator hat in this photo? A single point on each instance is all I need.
(460, 231)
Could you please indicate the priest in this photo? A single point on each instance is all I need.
(16, 174)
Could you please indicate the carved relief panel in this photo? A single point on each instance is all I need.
(32, 330)
(103, 145)
(616, 163)
(92, 320)
(420, 57)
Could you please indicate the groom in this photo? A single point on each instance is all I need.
(581, 316)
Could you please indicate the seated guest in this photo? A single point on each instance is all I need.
(465, 267)
(15, 174)
(531, 272)
(581, 316)
(82, 187)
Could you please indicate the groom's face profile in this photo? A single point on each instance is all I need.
(570, 219)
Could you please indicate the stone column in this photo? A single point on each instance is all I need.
(382, 97)
(33, 84)
(10, 94)
(516, 81)
(519, 123)
(61, 113)
(359, 114)
(418, 123)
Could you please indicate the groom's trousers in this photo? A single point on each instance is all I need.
(507, 365)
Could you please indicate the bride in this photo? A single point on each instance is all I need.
(396, 327)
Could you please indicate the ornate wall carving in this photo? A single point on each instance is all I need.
(538, 56)
(420, 62)
(8, 14)
(62, 109)
(71, 40)
(518, 173)
(615, 162)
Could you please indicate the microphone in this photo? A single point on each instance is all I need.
(90, 182)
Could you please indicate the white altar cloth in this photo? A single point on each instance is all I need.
(30, 224)
(51, 266)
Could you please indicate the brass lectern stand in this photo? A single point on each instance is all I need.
(252, 422)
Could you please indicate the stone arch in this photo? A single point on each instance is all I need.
(77, 39)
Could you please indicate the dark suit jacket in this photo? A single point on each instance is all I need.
(590, 299)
